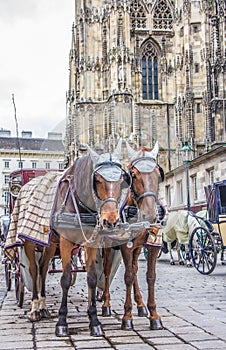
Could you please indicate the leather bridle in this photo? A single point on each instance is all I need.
(148, 193)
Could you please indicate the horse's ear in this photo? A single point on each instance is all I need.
(131, 152)
(118, 151)
(155, 150)
(94, 156)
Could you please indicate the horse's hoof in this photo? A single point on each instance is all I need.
(44, 313)
(61, 331)
(127, 325)
(172, 263)
(189, 265)
(181, 262)
(142, 311)
(34, 316)
(106, 311)
(96, 331)
(156, 324)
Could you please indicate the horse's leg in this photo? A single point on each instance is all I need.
(187, 256)
(127, 254)
(155, 320)
(169, 247)
(29, 249)
(180, 259)
(95, 325)
(65, 252)
(43, 268)
(142, 310)
(106, 307)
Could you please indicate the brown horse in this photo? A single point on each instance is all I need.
(145, 174)
(107, 182)
(87, 203)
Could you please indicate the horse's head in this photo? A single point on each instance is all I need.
(107, 185)
(145, 174)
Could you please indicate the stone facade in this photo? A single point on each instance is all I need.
(147, 71)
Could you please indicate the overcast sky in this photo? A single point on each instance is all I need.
(35, 39)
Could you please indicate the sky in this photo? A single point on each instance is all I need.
(35, 39)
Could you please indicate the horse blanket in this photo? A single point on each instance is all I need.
(30, 219)
(179, 227)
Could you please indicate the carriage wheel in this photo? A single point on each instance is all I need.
(74, 266)
(19, 289)
(8, 275)
(19, 282)
(203, 251)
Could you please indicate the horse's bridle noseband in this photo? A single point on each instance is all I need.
(145, 194)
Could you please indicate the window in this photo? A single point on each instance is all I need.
(198, 107)
(179, 192)
(210, 176)
(7, 165)
(195, 188)
(6, 179)
(33, 165)
(150, 73)
(196, 67)
(168, 196)
(47, 165)
(61, 166)
(195, 29)
(20, 165)
(6, 197)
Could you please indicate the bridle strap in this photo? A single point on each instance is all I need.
(108, 200)
(143, 195)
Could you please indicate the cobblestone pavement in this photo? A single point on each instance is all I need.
(192, 307)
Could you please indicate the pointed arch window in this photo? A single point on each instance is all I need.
(150, 86)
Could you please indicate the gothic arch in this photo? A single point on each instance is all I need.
(150, 55)
(138, 16)
(162, 16)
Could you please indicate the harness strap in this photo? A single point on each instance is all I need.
(70, 189)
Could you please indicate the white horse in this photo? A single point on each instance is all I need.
(179, 227)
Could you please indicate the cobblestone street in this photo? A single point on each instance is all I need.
(192, 307)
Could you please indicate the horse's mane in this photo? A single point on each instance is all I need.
(82, 171)
(143, 148)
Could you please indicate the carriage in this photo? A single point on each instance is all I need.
(209, 239)
(19, 266)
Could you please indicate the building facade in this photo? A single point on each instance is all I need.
(26, 152)
(147, 71)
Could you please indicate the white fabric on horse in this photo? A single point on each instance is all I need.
(179, 226)
(145, 166)
(109, 173)
(30, 218)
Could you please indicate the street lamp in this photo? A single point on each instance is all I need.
(186, 156)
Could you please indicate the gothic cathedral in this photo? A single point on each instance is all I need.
(146, 71)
